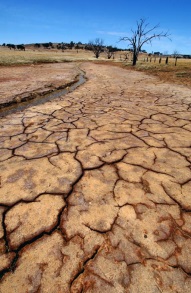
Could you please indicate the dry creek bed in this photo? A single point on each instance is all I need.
(95, 191)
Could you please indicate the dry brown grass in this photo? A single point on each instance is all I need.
(15, 57)
(180, 74)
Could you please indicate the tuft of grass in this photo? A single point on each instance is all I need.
(183, 74)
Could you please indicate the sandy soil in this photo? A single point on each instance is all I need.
(95, 189)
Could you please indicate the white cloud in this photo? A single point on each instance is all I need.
(112, 33)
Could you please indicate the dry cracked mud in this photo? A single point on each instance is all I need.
(23, 83)
(95, 191)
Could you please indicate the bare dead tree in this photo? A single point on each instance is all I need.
(143, 35)
(126, 56)
(109, 51)
(96, 46)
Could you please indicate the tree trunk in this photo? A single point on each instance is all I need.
(134, 58)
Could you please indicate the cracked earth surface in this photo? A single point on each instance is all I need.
(20, 83)
(96, 189)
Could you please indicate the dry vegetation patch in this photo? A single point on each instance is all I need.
(180, 74)
(15, 57)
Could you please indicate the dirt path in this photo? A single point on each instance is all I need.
(96, 189)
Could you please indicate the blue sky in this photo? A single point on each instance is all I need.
(24, 21)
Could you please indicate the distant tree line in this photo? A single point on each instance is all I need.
(96, 46)
(12, 46)
(59, 46)
(45, 45)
